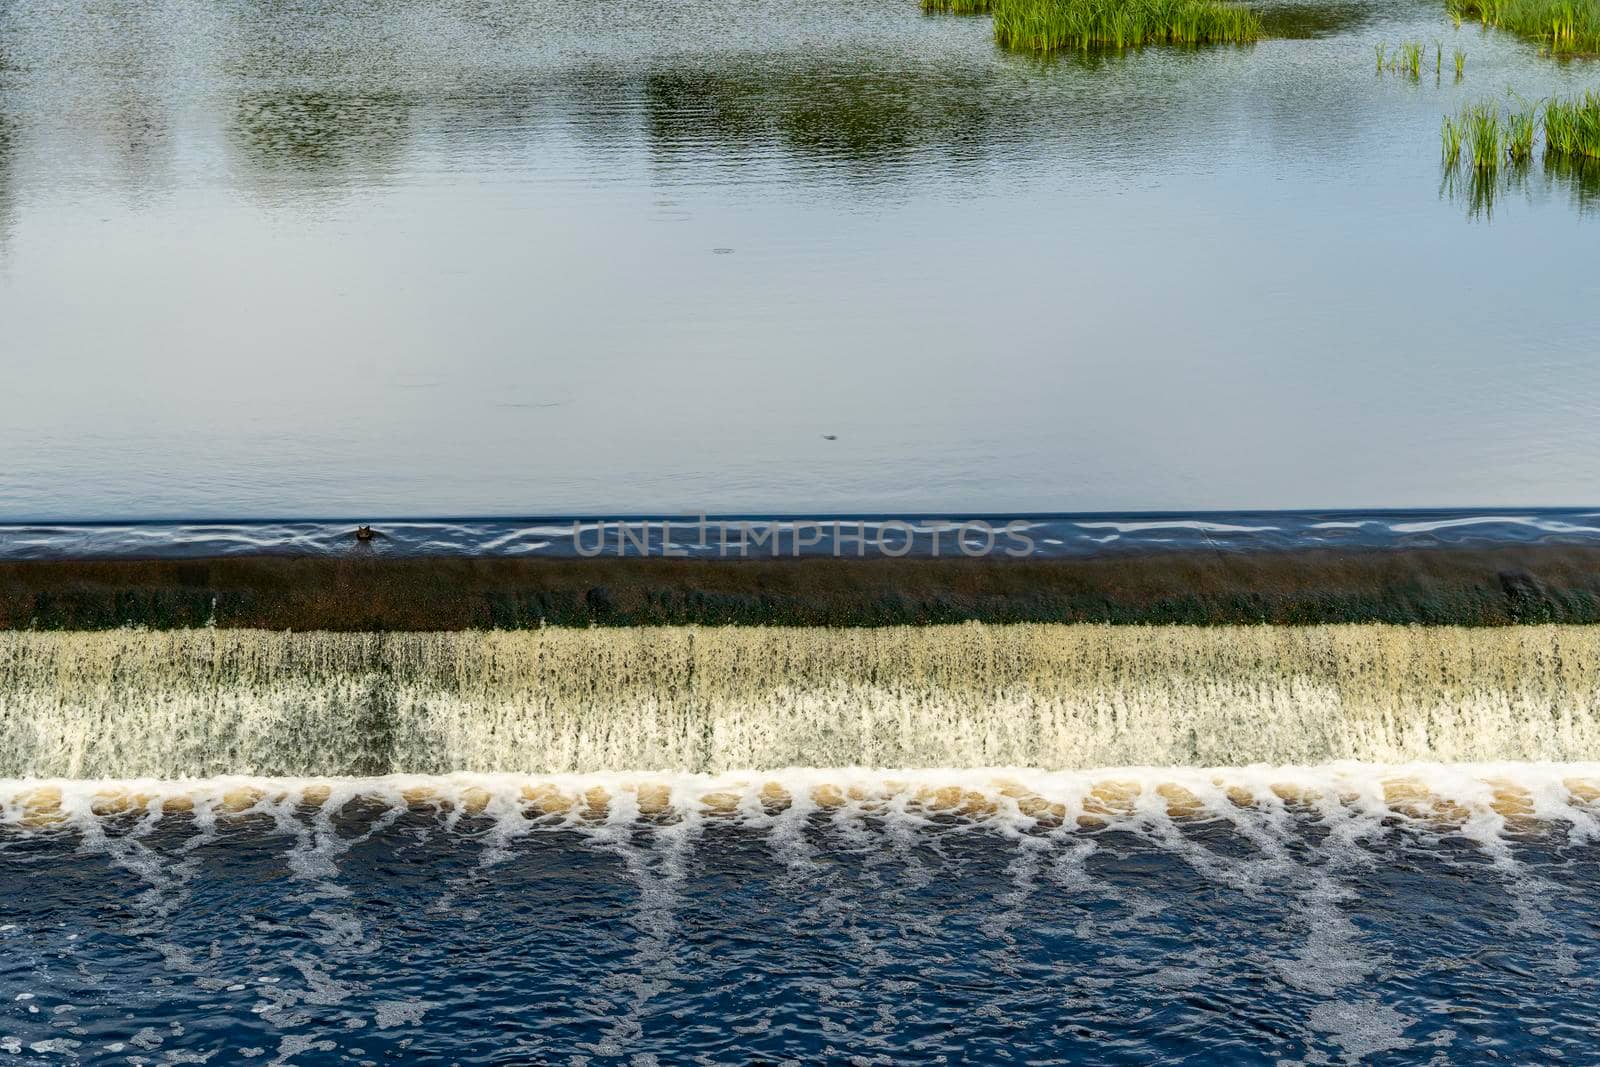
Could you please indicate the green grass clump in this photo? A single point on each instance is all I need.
(1411, 58)
(1452, 136)
(1571, 132)
(1521, 127)
(1051, 25)
(1461, 63)
(1482, 134)
(1572, 127)
(956, 7)
(1563, 26)
(1406, 59)
(1500, 146)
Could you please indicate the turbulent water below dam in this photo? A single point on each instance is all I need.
(963, 844)
(1346, 913)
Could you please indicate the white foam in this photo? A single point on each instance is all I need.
(1198, 525)
(200, 703)
(1536, 522)
(1478, 800)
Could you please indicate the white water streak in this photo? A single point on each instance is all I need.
(202, 703)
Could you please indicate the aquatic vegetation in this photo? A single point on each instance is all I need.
(956, 7)
(1461, 63)
(1050, 25)
(1452, 137)
(1521, 127)
(1406, 59)
(1501, 149)
(1411, 58)
(1482, 135)
(1563, 26)
(1572, 127)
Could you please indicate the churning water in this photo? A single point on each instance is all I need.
(1420, 914)
(1316, 845)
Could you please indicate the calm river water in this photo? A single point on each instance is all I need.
(436, 257)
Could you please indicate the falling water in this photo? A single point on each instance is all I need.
(950, 844)
(199, 703)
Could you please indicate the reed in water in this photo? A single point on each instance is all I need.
(1562, 26)
(1572, 127)
(1051, 25)
(957, 7)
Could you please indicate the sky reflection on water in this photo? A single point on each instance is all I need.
(544, 258)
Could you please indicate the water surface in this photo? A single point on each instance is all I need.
(445, 258)
(858, 536)
(1348, 914)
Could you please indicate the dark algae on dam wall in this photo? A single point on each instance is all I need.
(1473, 586)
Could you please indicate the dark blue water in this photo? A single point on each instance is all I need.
(1265, 934)
(1040, 536)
